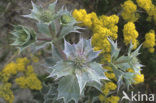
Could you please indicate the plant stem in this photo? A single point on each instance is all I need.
(56, 42)
(44, 39)
(57, 46)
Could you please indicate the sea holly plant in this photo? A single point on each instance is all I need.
(121, 64)
(47, 20)
(74, 66)
(78, 70)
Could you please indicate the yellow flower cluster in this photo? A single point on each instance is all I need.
(109, 74)
(139, 78)
(112, 99)
(102, 27)
(30, 80)
(106, 89)
(150, 41)
(13, 68)
(130, 34)
(6, 92)
(108, 86)
(148, 7)
(129, 11)
(84, 18)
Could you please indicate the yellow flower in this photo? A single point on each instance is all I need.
(82, 16)
(139, 78)
(151, 50)
(113, 99)
(150, 41)
(130, 34)
(6, 92)
(148, 7)
(129, 11)
(101, 98)
(29, 80)
(35, 59)
(10, 69)
(21, 81)
(110, 75)
(130, 70)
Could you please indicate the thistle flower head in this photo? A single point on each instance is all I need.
(78, 71)
(41, 14)
(23, 37)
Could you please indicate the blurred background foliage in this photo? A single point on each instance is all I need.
(11, 11)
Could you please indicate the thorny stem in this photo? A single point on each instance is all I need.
(44, 39)
(56, 44)
(123, 61)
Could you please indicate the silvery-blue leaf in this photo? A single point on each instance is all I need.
(119, 82)
(123, 62)
(95, 85)
(68, 29)
(68, 89)
(130, 48)
(55, 54)
(92, 55)
(34, 12)
(36, 8)
(118, 73)
(136, 52)
(69, 50)
(62, 69)
(37, 47)
(88, 46)
(52, 6)
(114, 49)
(50, 61)
(53, 27)
(93, 73)
(43, 28)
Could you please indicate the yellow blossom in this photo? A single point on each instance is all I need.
(112, 99)
(6, 92)
(130, 34)
(149, 7)
(129, 11)
(139, 78)
(150, 41)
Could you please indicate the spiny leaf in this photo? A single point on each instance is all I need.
(68, 89)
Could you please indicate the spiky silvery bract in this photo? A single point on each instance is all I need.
(78, 70)
(23, 37)
(49, 14)
(121, 64)
(42, 14)
(48, 17)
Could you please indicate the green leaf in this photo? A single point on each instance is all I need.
(68, 89)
